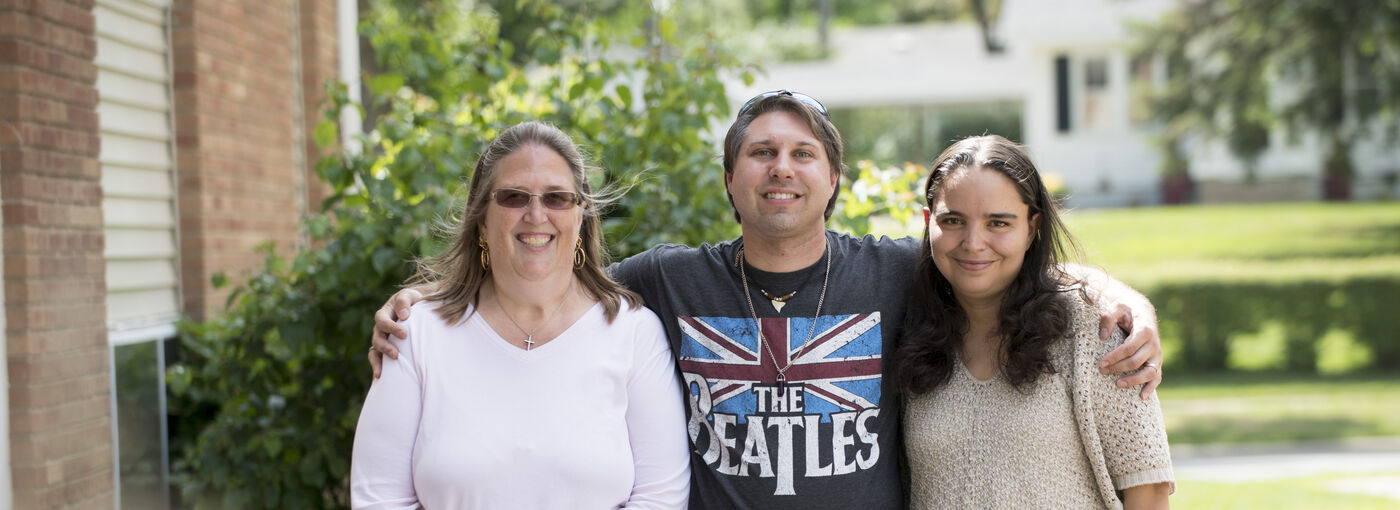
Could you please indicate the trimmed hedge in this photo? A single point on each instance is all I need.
(1204, 315)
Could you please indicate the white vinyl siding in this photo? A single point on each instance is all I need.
(138, 194)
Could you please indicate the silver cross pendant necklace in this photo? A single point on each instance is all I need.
(530, 335)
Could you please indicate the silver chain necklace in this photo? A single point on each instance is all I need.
(782, 371)
(530, 335)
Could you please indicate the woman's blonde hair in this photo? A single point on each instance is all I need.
(455, 276)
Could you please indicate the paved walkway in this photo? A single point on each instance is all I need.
(1366, 458)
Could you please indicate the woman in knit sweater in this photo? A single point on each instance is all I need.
(1004, 403)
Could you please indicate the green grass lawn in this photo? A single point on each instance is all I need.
(1242, 242)
(1312, 493)
(1273, 407)
(1246, 407)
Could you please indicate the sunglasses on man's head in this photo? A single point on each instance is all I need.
(803, 98)
(518, 198)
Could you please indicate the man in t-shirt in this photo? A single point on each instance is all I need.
(780, 335)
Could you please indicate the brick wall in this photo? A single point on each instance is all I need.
(319, 63)
(244, 69)
(57, 355)
(243, 169)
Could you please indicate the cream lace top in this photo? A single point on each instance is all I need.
(1071, 440)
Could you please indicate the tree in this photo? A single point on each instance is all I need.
(1244, 70)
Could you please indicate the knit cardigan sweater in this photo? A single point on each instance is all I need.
(975, 443)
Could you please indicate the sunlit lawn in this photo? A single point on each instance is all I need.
(1246, 407)
(1242, 242)
(1313, 493)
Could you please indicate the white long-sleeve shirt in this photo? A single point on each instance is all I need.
(463, 419)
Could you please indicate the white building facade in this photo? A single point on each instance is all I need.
(1071, 68)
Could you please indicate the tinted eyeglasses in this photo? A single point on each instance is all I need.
(803, 98)
(518, 198)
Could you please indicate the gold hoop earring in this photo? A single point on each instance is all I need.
(485, 252)
(579, 256)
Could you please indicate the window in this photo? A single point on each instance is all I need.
(140, 247)
(138, 387)
(1096, 113)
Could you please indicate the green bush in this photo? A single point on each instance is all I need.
(1277, 279)
(1199, 318)
(873, 194)
(996, 119)
(266, 397)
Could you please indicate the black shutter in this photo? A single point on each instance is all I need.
(1062, 93)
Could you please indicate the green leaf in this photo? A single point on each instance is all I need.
(272, 445)
(478, 84)
(326, 134)
(385, 258)
(310, 468)
(296, 333)
(177, 379)
(667, 27)
(384, 84)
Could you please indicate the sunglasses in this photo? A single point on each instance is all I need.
(803, 98)
(518, 198)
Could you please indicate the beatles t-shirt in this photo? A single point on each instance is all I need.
(827, 436)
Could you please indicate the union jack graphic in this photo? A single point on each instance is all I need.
(840, 366)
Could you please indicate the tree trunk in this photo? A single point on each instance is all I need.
(824, 27)
(979, 7)
(1337, 171)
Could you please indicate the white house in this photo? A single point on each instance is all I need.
(1069, 67)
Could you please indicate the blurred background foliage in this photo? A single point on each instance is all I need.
(871, 13)
(797, 30)
(1339, 62)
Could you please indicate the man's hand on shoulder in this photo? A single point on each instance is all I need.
(386, 321)
(1142, 349)
(1128, 309)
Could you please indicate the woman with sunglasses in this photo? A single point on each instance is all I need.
(536, 381)
(1005, 406)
